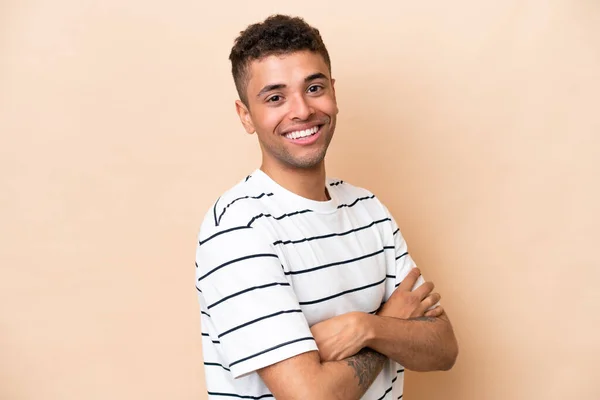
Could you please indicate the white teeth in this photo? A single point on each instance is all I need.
(301, 134)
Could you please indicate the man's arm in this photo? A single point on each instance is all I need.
(414, 338)
(419, 344)
(306, 377)
(344, 368)
(406, 329)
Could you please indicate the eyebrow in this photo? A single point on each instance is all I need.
(315, 76)
(277, 86)
(269, 88)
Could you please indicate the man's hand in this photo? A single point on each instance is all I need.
(345, 335)
(409, 331)
(405, 303)
(340, 337)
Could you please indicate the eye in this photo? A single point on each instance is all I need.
(274, 99)
(314, 88)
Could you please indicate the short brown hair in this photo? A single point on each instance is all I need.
(277, 35)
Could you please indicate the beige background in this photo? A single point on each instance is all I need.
(477, 122)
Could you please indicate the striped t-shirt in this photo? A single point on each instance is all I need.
(270, 264)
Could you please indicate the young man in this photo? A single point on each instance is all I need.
(305, 284)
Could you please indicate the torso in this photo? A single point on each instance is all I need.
(337, 256)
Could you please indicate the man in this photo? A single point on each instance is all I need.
(305, 284)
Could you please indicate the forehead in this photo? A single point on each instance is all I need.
(285, 69)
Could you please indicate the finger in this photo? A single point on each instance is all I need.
(424, 290)
(434, 313)
(428, 302)
(409, 281)
(431, 300)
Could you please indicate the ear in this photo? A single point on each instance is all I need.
(333, 87)
(245, 117)
(334, 98)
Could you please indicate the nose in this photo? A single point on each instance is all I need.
(300, 109)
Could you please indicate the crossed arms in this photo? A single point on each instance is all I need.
(354, 347)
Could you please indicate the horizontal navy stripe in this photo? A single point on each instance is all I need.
(215, 210)
(198, 289)
(238, 396)
(330, 234)
(235, 261)
(201, 242)
(304, 303)
(336, 183)
(402, 255)
(205, 313)
(246, 291)
(391, 276)
(214, 364)
(400, 371)
(389, 389)
(241, 198)
(356, 201)
(270, 349)
(306, 211)
(208, 336)
(303, 271)
(385, 393)
(396, 231)
(277, 218)
(258, 320)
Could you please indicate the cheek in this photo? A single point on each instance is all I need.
(268, 120)
(328, 105)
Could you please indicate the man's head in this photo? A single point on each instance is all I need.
(282, 73)
(277, 35)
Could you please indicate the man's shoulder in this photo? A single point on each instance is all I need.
(236, 206)
(348, 192)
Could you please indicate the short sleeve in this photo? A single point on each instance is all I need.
(404, 262)
(249, 302)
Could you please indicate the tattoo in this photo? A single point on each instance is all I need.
(366, 363)
(426, 319)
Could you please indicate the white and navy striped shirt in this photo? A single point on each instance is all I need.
(270, 264)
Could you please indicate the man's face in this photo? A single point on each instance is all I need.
(292, 109)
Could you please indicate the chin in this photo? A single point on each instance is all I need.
(308, 163)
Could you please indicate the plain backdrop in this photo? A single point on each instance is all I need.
(476, 122)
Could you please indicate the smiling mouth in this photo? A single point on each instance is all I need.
(304, 133)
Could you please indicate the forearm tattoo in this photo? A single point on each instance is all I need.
(366, 364)
(426, 319)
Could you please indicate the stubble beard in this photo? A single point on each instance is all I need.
(285, 159)
(307, 162)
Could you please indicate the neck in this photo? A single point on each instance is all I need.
(308, 183)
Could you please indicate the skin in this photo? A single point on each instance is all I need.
(295, 92)
(406, 329)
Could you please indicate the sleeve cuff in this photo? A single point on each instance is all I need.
(272, 356)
